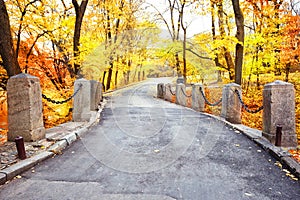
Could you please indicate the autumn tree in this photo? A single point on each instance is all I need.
(264, 38)
(172, 24)
(114, 56)
(239, 49)
(290, 48)
(221, 41)
(79, 11)
(7, 50)
(175, 23)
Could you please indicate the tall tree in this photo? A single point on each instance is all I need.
(225, 50)
(173, 24)
(239, 48)
(79, 11)
(7, 50)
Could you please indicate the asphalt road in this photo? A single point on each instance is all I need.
(145, 148)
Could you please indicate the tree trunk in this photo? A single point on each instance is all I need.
(287, 71)
(103, 81)
(109, 75)
(184, 55)
(213, 30)
(227, 55)
(109, 37)
(111, 65)
(79, 10)
(229, 62)
(116, 78)
(129, 63)
(127, 77)
(7, 50)
(239, 48)
(184, 28)
(177, 65)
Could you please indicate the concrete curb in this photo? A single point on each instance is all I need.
(57, 148)
(255, 135)
(3, 178)
(23, 165)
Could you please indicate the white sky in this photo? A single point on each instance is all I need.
(197, 23)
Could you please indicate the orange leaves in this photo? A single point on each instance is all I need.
(253, 99)
(189, 99)
(295, 154)
(213, 94)
(3, 118)
(290, 50)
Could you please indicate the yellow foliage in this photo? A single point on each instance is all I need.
(253, 99)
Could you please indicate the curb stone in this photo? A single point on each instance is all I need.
(58, 146)
(2, 178)
(70, 138)
(263, 143)
(81, 132)
(293, 166)
(23, 165)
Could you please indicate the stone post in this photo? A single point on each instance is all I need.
(82, 101)
(96, 94)
(180, 80)
(198, 101)
(231, 105)
(168, 95)
(160, 90)
(279, 109)
(180, 97)
(25, 109)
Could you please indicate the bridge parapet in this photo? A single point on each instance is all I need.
(24, 96)
(279, 110)
(25, 115)
(278, 106)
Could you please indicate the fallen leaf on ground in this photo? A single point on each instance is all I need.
(248, 194)
(277, 163)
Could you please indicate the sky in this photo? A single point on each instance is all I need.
(197, 23)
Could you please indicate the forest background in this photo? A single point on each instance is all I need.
(118, 42)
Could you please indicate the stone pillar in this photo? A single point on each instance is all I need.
(82, 101)
(279, 109)
(231, 105)
(160, 90)
(180, 97)
(96, 94)
(180, 80)
(168, 95)
(198, 101)
(25, 109)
